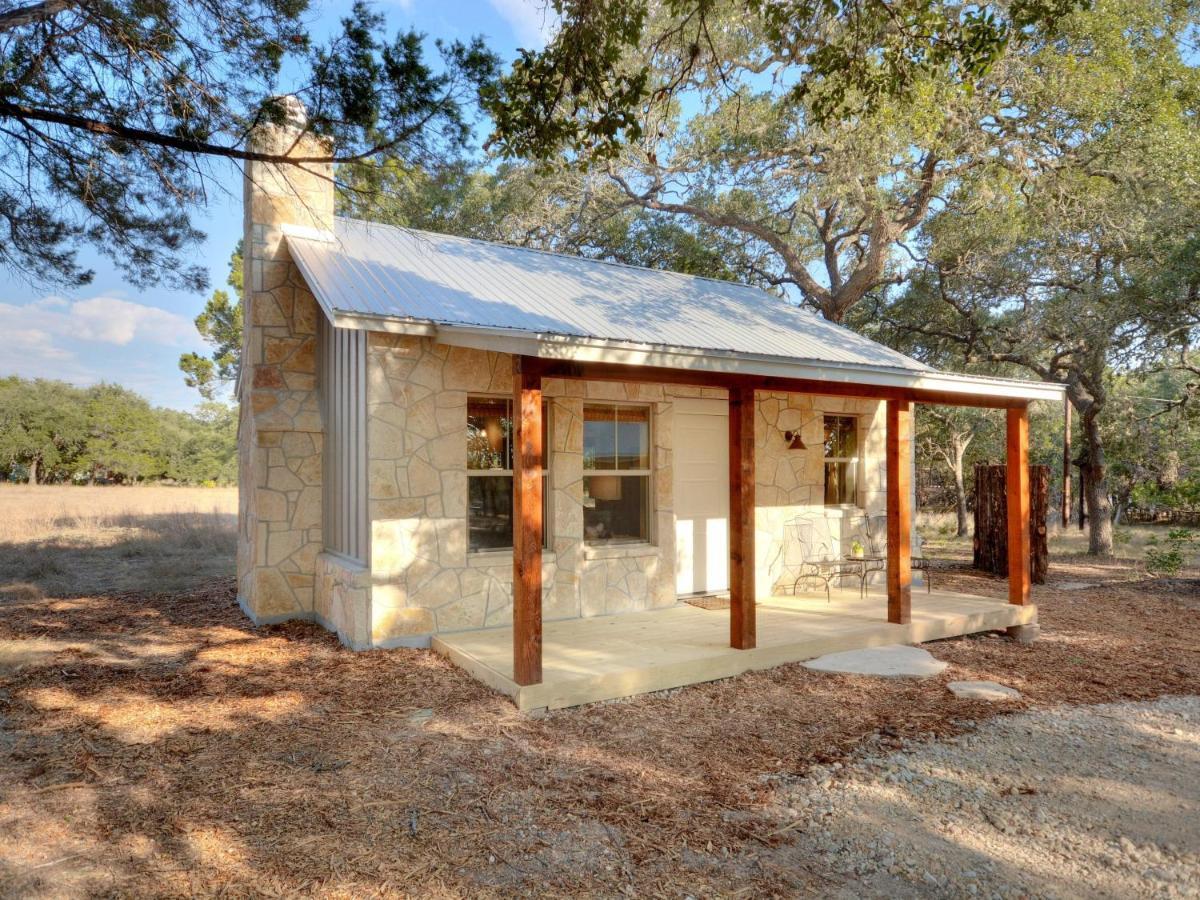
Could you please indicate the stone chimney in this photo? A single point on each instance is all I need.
(279, 429)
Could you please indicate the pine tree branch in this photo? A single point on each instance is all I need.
(27, 114)
(34, 12)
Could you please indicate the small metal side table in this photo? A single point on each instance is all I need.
(826, 570)
(867, 564)
(924, 564)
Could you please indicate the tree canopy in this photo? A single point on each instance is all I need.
(1081, 266)
(556, 208)
(54, 432)
(818, 134)
(611, 60)
(112, 113)
(220, 326)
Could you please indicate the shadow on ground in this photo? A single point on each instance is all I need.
(160, 744)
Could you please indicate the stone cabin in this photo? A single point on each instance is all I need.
(377, 436)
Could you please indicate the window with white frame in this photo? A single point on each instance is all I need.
(841, 460)
(616, 473)
(490, 474)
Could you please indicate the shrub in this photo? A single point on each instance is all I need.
(1170, 556)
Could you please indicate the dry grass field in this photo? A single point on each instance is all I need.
(67, 541)
(937, 529)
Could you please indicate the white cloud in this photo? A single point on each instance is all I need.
(34, 353)
(532, 21)
(108, 320)
(120, 321)
(27, 342)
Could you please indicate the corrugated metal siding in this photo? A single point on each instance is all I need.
(343, 391)
(383, 270)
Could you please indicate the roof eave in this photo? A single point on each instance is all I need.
(587, 349)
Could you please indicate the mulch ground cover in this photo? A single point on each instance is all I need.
(161, 745)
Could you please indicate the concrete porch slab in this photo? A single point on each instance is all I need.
(605, 657)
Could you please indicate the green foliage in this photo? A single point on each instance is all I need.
(220, 325)
(111, 112)
(1074, 259)
(815, 136)
(124, 436)
(1169, 556)
(206, 452)
(42, 425)
(1155, 447)
(54, 432)
(585, 92)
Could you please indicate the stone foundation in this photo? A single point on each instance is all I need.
(342, 600)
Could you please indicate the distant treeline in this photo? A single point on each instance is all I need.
(53, 432)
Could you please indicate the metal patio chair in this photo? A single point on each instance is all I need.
(818, 562)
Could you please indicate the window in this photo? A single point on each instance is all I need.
(616, 473)
(841, 460)
(490, 474)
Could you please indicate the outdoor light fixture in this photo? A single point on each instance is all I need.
(793, 440)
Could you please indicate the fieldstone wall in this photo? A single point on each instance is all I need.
(280, 429)
(424, 580)
(791, 483)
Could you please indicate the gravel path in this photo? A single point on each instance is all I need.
(1096, 801)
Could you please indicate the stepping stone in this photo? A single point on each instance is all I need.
(983, 690)
(893, 661)
(1075, 585)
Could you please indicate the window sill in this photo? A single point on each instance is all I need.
(619, 551)
(485, 559)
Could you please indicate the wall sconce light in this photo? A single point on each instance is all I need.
(793, 440)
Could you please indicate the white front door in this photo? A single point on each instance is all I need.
(701, 462)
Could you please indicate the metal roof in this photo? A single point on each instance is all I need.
(387, 271)
(513, 299)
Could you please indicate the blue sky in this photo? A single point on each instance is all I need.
(111, 331)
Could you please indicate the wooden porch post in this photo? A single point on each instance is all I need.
(742, 627)
(899, 511)
(1017, 475)
(527, 525)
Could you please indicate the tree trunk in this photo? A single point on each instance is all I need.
(960, 493)
(990, 544)
(33, 467)
(1099, 506)
(1082, 498)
